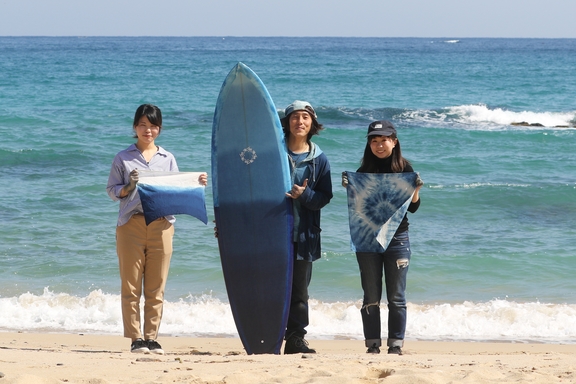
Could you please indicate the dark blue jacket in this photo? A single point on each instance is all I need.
(316, 195)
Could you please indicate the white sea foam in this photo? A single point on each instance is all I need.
(481, 116)
(480, 185)
(206, 316)
(481, 113)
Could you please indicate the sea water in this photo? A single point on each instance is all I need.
(494, 240)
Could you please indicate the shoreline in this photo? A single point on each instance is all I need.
(90, 358)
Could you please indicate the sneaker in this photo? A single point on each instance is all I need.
(154, 347)
(139, 346)
(297, 344)
(395, 350)
(373, 349)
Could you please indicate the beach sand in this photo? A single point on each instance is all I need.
(99, 359)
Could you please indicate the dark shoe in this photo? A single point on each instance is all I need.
(373, 349)
(154, 347)
(139, 346)
(297, 344)
(394, 351)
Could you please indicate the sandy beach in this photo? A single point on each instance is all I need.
(85, 358)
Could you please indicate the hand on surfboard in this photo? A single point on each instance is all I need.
(297, 190)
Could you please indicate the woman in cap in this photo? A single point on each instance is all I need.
(382, 154)
(311, 191)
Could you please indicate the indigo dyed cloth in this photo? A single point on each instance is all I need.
(377, 203)
(171, 193)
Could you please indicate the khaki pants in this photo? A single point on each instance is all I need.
(144, 254)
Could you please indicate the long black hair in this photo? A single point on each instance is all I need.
(372, 164)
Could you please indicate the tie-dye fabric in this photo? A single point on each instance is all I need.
(377, 203)
(171, 193)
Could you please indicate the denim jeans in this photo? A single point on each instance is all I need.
(392, 264)
(298, 313)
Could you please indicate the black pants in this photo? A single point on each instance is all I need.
(298, 315)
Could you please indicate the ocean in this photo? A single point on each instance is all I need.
(494, 240)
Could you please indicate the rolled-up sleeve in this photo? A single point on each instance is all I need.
(115, 180)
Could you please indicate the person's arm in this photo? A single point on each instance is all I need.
(415, 203)
(116, 181)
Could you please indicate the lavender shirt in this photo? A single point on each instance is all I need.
(124, 162)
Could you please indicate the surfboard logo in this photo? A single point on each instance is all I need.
(248, 155)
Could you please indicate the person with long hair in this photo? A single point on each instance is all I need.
(383, 154)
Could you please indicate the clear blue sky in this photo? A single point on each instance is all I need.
(378, 18)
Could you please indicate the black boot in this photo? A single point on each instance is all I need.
(373, 349)
(297, 344)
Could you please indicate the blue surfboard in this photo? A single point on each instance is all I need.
(377, 203)
(250, 176)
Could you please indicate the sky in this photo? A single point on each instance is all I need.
(351, 18)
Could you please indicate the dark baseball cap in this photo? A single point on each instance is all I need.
(381, 128)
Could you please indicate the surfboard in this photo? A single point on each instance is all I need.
(250, 176)
(377, 203)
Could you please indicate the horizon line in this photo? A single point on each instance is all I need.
(298, 37)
